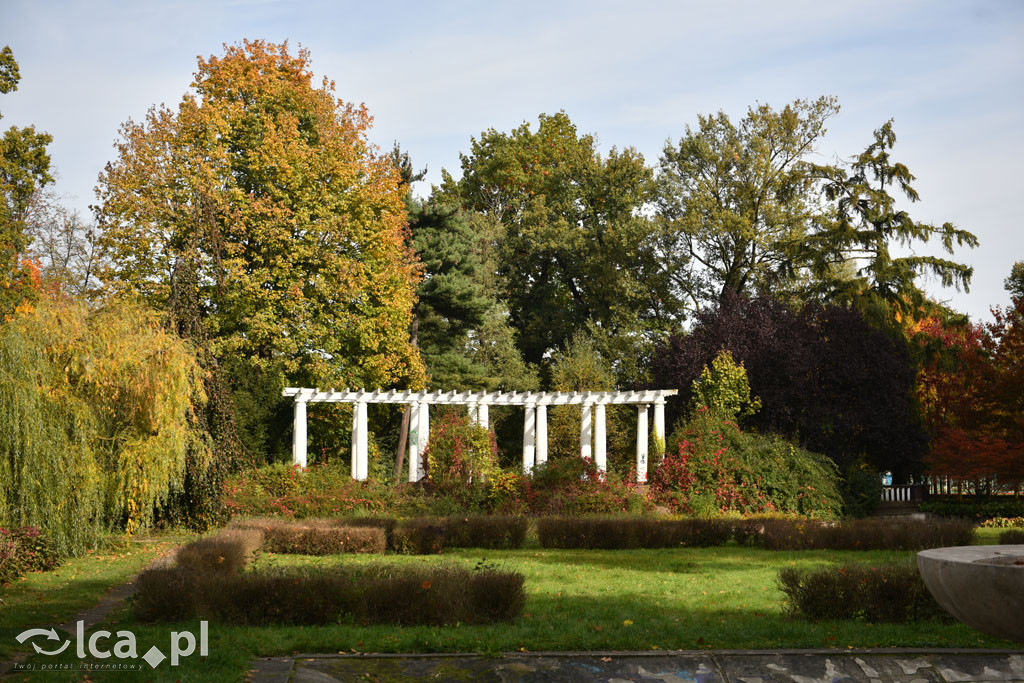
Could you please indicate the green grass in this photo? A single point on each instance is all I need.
(56, 596)
(579, 599)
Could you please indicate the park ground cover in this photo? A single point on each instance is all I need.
(720, 598)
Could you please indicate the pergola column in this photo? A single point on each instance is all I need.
(299, 433)
(529, 434)
(586, 431)
(641, 444)
(414, 442)
(542, 434)
(361, 466)
(659, 424)
(481, 414)
(600, 441)
(422, 437)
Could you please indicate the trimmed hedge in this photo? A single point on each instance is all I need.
(1012, 537)
(314, 537)
(892, 593)
(1014, 507)
(306, 596)
(430, 535)
(495, 532)
(611, 533)
(858, 534)
(229, 551)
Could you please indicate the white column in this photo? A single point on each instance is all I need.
(481, 415)
(414, 442)
(641, 444)
(362, 469)
(542, 434)
(471, 410)
(299, 434)
(586, 430)
(423, 436)
(529, 426)
(355, 441)
(659, 422)
(600, 442)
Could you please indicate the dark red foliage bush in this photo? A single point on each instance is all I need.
(22, 550)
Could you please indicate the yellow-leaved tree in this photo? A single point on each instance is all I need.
(260, 203)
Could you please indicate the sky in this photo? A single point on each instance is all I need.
(633, 74)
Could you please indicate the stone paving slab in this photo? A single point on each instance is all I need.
(711, 666)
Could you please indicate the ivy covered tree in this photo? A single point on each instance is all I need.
(24, 168)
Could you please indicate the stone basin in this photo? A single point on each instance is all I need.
(981, 585)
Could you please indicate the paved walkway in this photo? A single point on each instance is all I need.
(704, 666)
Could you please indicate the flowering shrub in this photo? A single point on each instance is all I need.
(716, 469)
(459, 451)
(574, 486)
(23, 550)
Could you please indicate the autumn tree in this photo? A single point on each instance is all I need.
(260, 200)
(735, 200)
(573, 246)
(24, 168)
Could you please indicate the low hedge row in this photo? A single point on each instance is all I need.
(207, 582)
(858, 534)
(229, 551)
(1012, 537)
(430, 535)
(884, 593)
(314, 537)
(23, 550)
(976, 510)
(613, 533)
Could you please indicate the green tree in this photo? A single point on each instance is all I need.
(864, 222)
(1014, 283)
(24, 167)
(573, 245)
(724, 389)
(266, 185)
(735, 201)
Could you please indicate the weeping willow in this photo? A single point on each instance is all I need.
(97, 419)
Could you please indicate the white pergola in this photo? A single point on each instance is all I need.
(535, 423)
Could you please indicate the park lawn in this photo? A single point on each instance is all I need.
(719, 598)
(54, 597)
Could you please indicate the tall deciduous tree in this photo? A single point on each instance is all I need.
(736, 201)
(266, 185)
(573, 246)
(24, 168)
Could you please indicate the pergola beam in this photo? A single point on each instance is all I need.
(535, 442)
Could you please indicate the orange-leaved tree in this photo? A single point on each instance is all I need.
(261, 201)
